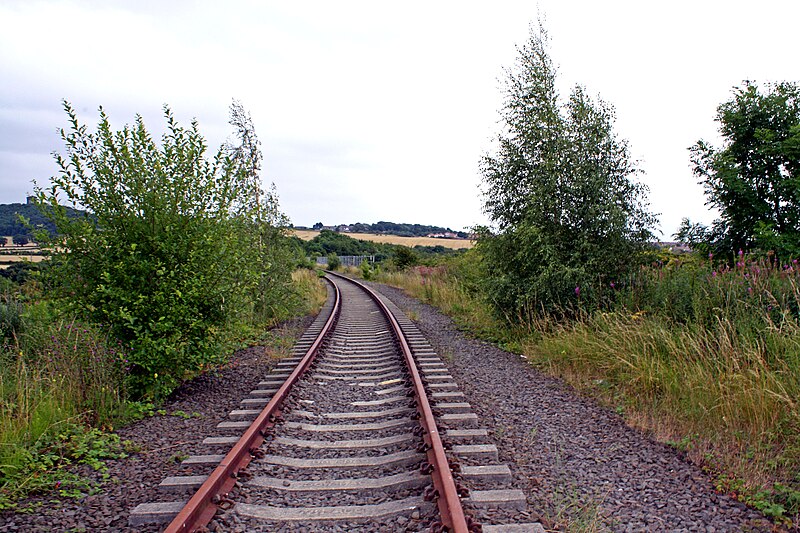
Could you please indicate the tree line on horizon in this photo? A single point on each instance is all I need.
(393, 228)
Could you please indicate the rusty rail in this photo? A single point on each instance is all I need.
(448, 501)
(203, 505)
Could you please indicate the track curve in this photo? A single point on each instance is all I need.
(347, 437)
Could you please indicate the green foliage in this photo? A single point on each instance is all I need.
(333, 262)
(173, 247)
(331, 242)
(46, 469)
(21, 219)
(560, 190)
(19, 273)
(366, 270)
(404, 257)
(753, 179)
(20, 240)
(10, 318)
(402, 229)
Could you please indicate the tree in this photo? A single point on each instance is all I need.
(20, 240)
(404, 257)
(171, 246)
(754, 179)
(560, 191)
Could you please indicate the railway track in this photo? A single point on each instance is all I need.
(362, 429)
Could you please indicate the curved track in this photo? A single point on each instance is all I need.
(343, 437)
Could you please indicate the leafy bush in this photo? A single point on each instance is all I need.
(10, 322)
(404, 257)
(333, 262)
(173, 247)
(366, 270)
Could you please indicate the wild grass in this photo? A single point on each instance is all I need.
(312, 290)
(700, 355)
(440, 286)
(57, 380)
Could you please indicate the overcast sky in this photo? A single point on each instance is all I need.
(374, 110)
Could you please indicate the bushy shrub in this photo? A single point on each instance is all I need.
(366, 270)
(333, 262)
(173, 247)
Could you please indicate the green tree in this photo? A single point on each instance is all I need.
(754, 179)
(20, 240)
(561, 192)
(333, 262)
(171, 245)
(404, 257)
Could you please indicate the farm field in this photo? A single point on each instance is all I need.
(16, 258)
(455, 244)
(12, 253)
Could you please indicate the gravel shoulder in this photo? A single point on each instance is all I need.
(578, 463)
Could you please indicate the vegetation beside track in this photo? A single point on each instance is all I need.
(176, 262)
(701, 356)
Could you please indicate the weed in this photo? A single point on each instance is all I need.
(178, 457)
(185, 415)
(575, 512)
(45, 468)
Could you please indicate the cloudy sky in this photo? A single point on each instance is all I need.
(373, 110)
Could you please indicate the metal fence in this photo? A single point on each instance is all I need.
(349, 260)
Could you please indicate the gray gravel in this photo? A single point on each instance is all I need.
(578, 462)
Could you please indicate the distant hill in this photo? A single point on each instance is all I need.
(10, 224)
(393, 228)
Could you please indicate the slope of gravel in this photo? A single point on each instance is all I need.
(576, 461)
(163, 441)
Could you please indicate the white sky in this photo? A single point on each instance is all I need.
(372, 110)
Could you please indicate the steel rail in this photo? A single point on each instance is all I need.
(201, 508)
(448, 501)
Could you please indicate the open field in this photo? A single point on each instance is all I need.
(15, 258)
(12, 253)
(455, 244)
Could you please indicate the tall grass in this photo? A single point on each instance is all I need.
(56, 379)
(703, 356)
(311, 289)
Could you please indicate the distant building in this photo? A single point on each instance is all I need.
(443, 235)
(674, 247)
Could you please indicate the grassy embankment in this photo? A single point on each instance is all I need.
(62, 390)
(703, 358)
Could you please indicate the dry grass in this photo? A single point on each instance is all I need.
(455, 244)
